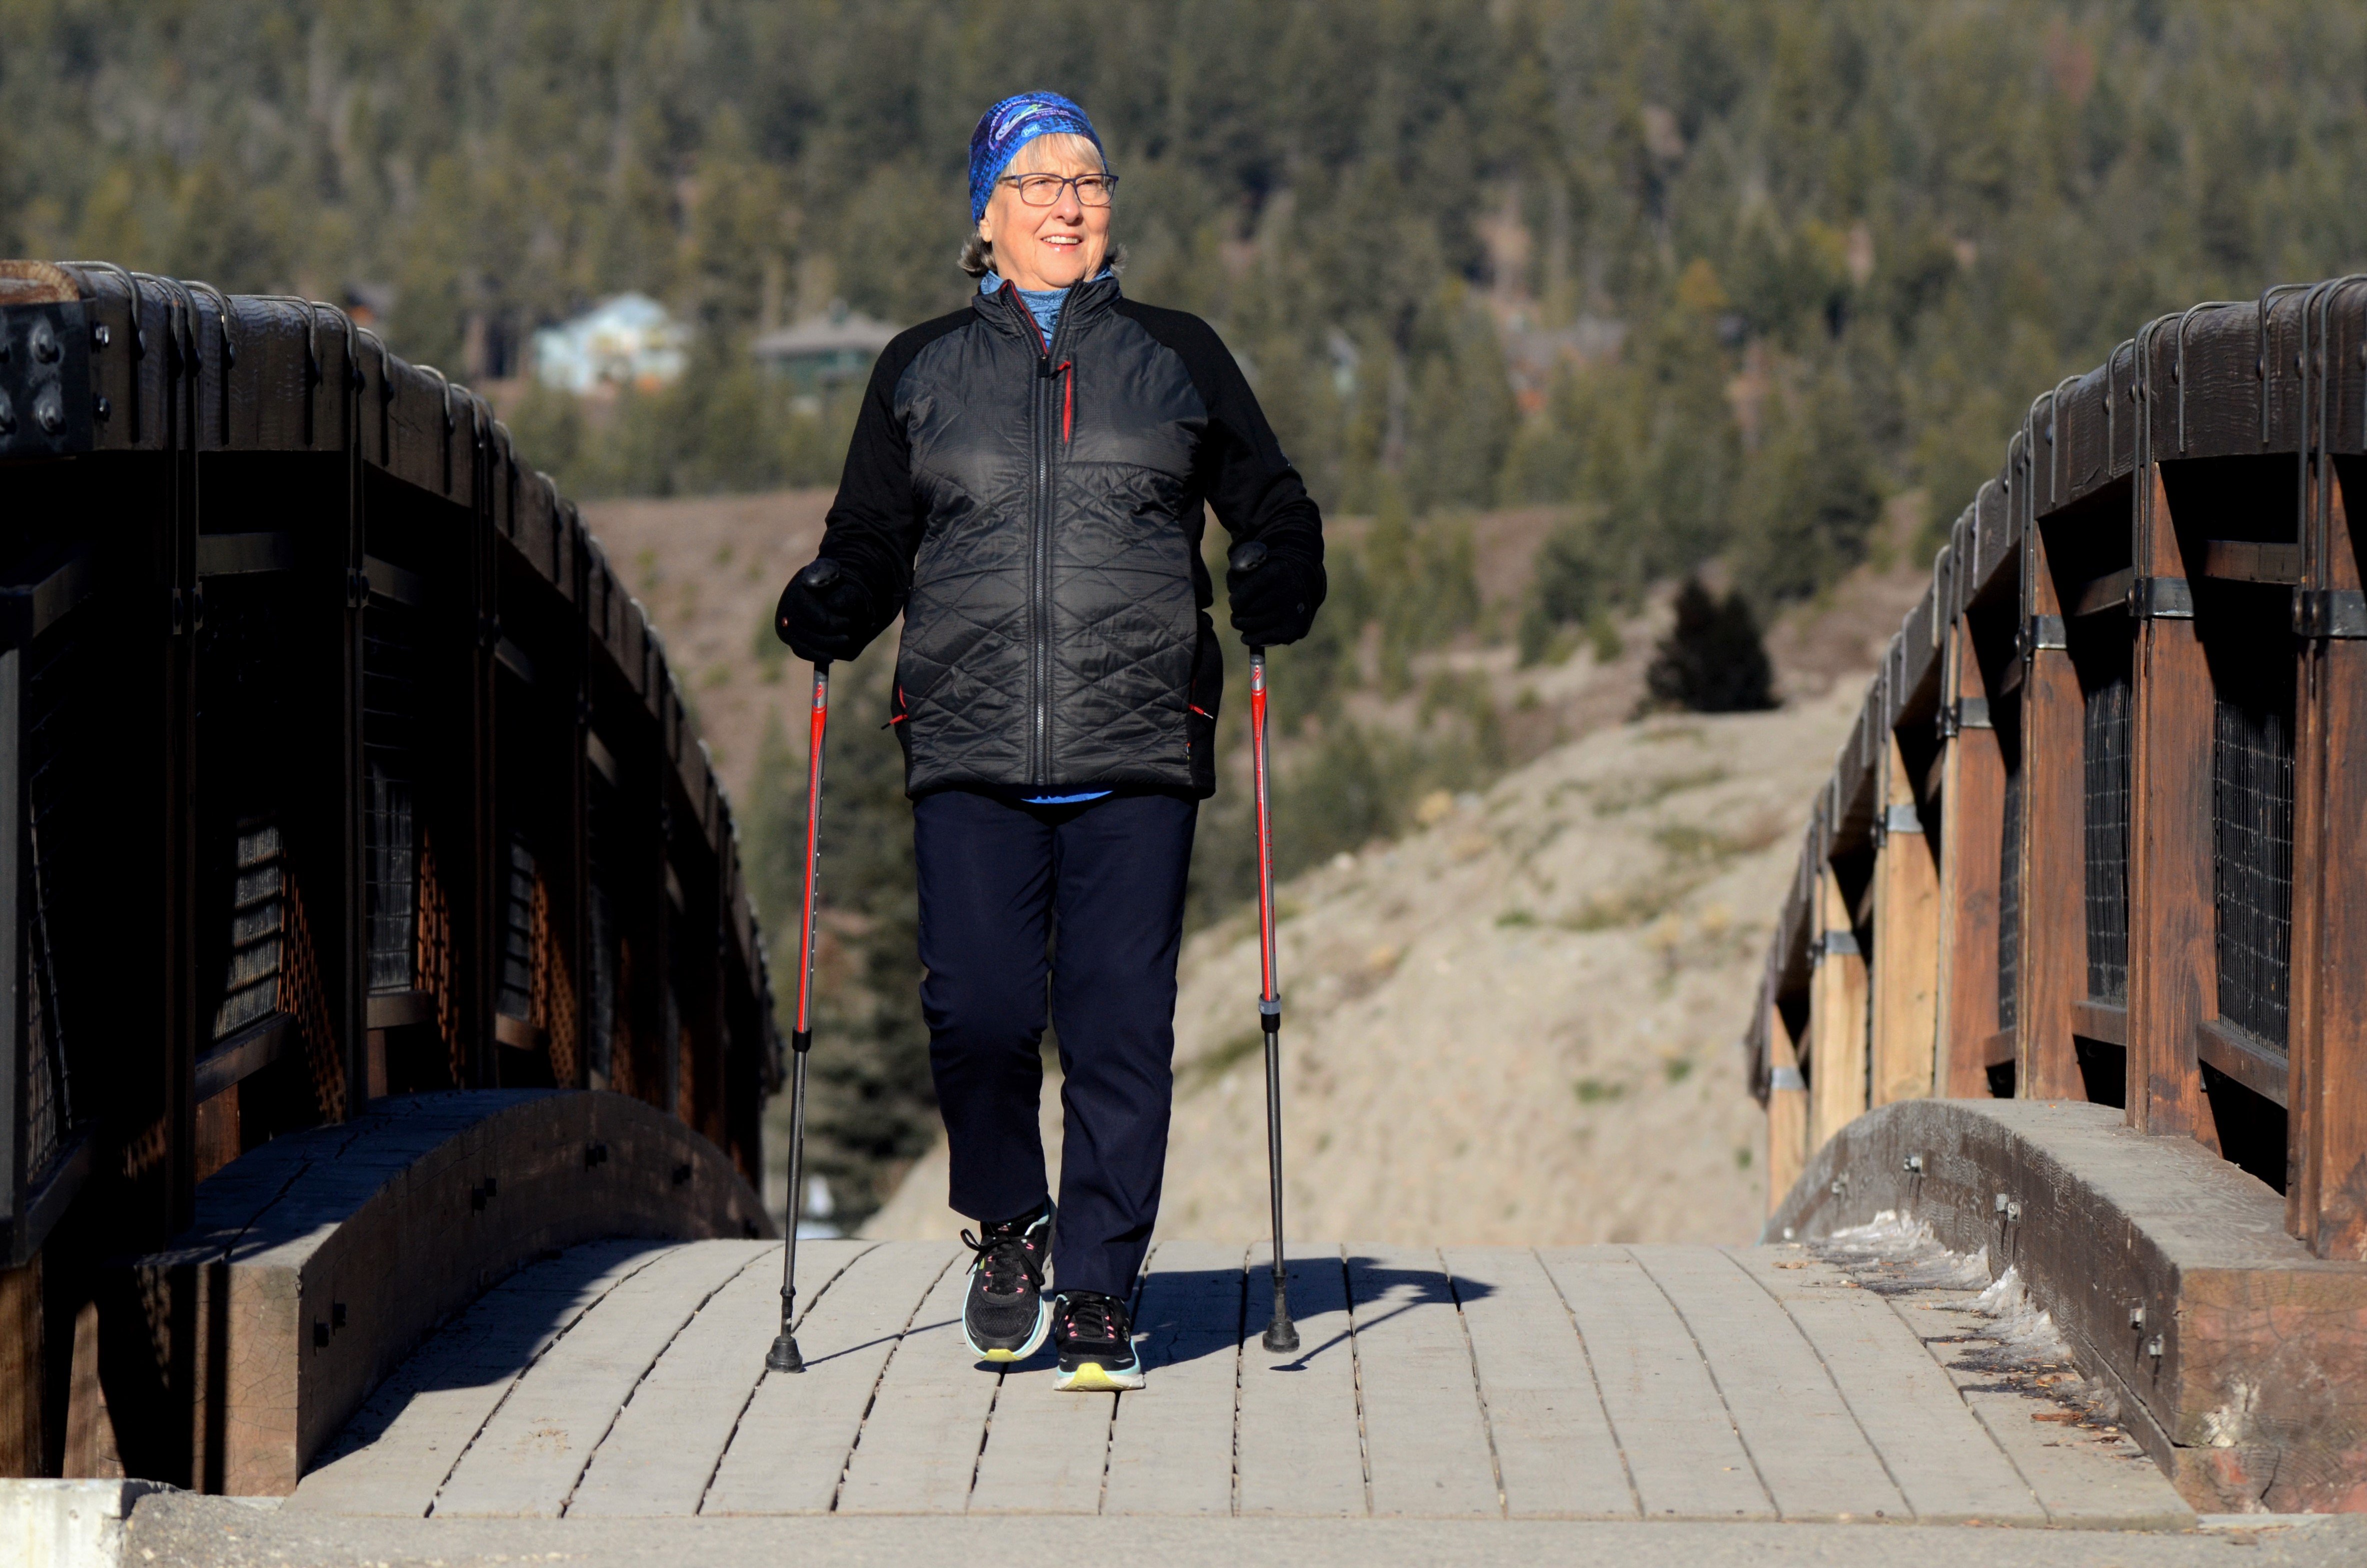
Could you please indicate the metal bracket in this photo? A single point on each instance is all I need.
(1973, 713)
(1838, 944)
(2045, 631)
(1781, 1078)
(1900, 817)
(2330, 613)
(45, 403)
(2162, 599)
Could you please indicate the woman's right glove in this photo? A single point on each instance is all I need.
(1273, 593)
(825, 613)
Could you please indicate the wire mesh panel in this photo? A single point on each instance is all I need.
(2106, 794)
(2009, 907)
(244, 714)
(390, 718)
(516, 996)
(603, 985)
(59, 707)
(2252, 823)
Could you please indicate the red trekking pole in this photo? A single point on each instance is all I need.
(783, 1356)
(1280, 1333)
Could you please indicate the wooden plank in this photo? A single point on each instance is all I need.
(2327, 1206)
(403, 1442)
(1300, 1444)
(535, 1446)
(663, 1448)
(1813, 1456)
(1045, 1451)
(2053, 930)
(1426, 1439)
(1173, 1453)
(1936, 1450)
(917, 1449)
(1905, 975)
(23, 1366)
(1836, 1018)
(1684, 1457)
(2236, 1052)
(1554, 1446)
(2096, 1479)
(1972, 825)
(791, 1445)
(2173, 949)
(1788, 1109)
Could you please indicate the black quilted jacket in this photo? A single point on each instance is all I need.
(1035, 510)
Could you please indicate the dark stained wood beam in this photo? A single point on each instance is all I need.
(1972, 824)
(2053, 960)
(2173, 957)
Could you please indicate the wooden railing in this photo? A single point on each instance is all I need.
(335, 762)
(2100, 830)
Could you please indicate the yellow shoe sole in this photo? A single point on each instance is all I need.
(1002, 1355)
(1091, 1378)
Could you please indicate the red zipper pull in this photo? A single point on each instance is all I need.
(1068, 398)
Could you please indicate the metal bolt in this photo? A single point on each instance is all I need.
(48, 410)
(2001, 1202)
(45, 342)
(2152, 1347)
(1914, 1165)
(2136, 1317)
(99, 337)
(2014, 1213)
(100, 408)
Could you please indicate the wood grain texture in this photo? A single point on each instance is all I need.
(2327, 1201)
(1301, 1447)
(1813, 1456)
(1787, 1111)
(2173, 954)
(1972, 827)
(2053, 967)
(1905, 972)
(1173, 1453)
(919, 1446)
(666, 1442)
(1426, 1438)
(1682, 1451)
(1937, 1452)
(791, 1444)
(402, 1443)
(527, 1459)
(1554, 1444)
(1837, 1021)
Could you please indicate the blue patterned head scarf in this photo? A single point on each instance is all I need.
(1011, 124)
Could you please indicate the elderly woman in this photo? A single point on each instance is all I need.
(1026, 485)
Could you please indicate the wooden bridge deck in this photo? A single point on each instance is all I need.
(1660, 1383)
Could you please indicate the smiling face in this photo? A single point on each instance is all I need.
(1048, 247)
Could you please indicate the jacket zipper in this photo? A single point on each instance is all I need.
(1040, 421)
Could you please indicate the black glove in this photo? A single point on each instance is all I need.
(826, 614)
(1273, 594)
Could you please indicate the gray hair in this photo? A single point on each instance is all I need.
(978, 255)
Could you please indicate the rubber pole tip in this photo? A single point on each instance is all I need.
(1282, 1334)
(783, 1356)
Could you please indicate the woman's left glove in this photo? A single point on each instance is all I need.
(1273, 593)
(825, 613)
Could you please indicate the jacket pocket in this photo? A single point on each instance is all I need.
(1202, 699)
(899, 716)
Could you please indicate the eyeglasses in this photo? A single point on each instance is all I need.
(1043, 190)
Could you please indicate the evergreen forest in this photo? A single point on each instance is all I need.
(1718, 279)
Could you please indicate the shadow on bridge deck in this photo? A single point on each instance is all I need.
(626, 1380)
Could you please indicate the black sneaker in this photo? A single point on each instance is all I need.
(1096, 1343)
(1007, 1315)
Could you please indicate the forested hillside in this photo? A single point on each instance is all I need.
(1761, 283)
(1755, 262)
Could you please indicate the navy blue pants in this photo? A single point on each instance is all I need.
(1104, 881)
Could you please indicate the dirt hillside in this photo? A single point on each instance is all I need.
(1517, 1023)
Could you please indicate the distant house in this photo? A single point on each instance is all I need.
(630, 340)
(823, 352)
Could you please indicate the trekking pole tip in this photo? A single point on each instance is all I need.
(783, 1356)
(1281, 1335)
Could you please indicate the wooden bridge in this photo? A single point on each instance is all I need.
(390, 1030)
